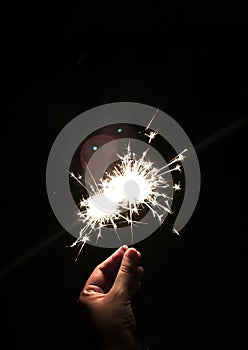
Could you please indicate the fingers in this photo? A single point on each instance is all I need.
(120, 272)
(104, 274)
(128, 272)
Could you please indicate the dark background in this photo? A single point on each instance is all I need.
(189, 59)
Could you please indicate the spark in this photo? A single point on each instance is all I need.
(177, 187)
(176, 232)
(133, 184)
(151, 135)
(154, 115)
(77, 179)
(179, 158)
(84, 239)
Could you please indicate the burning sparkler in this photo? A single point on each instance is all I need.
(125, 196)
(132, 185)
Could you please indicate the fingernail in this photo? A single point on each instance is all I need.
(124, 248)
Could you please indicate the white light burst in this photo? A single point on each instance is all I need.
(133, 184)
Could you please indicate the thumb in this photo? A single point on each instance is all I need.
(127, 272)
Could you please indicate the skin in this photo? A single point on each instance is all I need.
(107, 297)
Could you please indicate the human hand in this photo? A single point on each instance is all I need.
(107, 296)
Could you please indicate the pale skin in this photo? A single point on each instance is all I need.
(107, 296)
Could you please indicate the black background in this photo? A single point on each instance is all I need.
(189, 60)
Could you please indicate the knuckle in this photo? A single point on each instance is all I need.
(82, 297)
(125, 268)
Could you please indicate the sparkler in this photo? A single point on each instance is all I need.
(134, 183)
